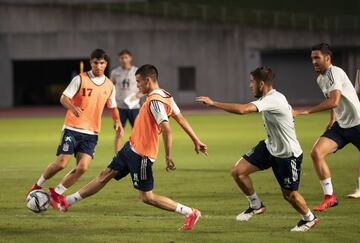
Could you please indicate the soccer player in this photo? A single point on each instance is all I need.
(356, 193)
(281, 151)
(344, 124)
(138, 155)
(84, 98)
(124, 79)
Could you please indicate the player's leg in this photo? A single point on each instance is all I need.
(64, 154)
(240, 172)
(308, 219)
(59, 164)
(118, 137)
(88, 190)
(165, 203)
(117, 169)
(322, 148)
(254, 160)
(82, 164)
(93, 186)
(83, 161)
(287, 173)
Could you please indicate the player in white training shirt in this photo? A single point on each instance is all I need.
(127, 93)
(356, 193)
(343, 127)
(281, 150)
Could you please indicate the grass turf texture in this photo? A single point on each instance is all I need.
(116, 215)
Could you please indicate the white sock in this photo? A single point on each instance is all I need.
(327, 186)
(309, 216)
(60, 189)
(359, 183)
(41, 181)
(182, 209)
(254, 201)
(73, 198)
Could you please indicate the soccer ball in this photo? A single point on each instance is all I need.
(38, 201)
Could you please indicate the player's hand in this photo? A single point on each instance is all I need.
(170, 165)
(76, 111)
(201, 147)
(300, 112)
(118, 128)
(205, 100)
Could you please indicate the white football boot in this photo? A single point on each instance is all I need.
(248, 213)
(304, 226)
(355, 194)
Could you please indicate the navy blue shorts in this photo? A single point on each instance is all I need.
(343, 136)
(286, 170)
(128, 114)
(140, 168)
(73, 142)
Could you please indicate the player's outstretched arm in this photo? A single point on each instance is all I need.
(199, 146)
(329, 103)
(167, 138)
(66, 102)
(240, 109)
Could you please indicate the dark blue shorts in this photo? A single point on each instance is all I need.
(73, 142)
(140, 168)
(343, 136)
(286, 170)
(128, 114)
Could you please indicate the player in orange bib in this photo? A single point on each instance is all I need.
(85, 99)
(138, 155)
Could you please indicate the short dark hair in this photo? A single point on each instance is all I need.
(263, 74)
(124, 52)
(148, 70)
(99, 54)
(324, 48)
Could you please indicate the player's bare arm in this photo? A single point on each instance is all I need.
(240, 109)
(332, 119)
(66, 102)
(117, 123)
(199, 146)
(329, 103)
(167, 138)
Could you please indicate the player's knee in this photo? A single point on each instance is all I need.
(290, 196)
(287, 196)
(61, 163)
(81, 169)
(234, 172)
(316, 154)
(103, 177)
(147, 199)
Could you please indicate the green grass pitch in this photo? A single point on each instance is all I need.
(117, 215)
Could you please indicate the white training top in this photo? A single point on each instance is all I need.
(125, 83)
(348, 110)
(279, 125)
(157, 109)
(74, 87)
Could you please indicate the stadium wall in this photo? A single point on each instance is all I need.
(221, 54)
